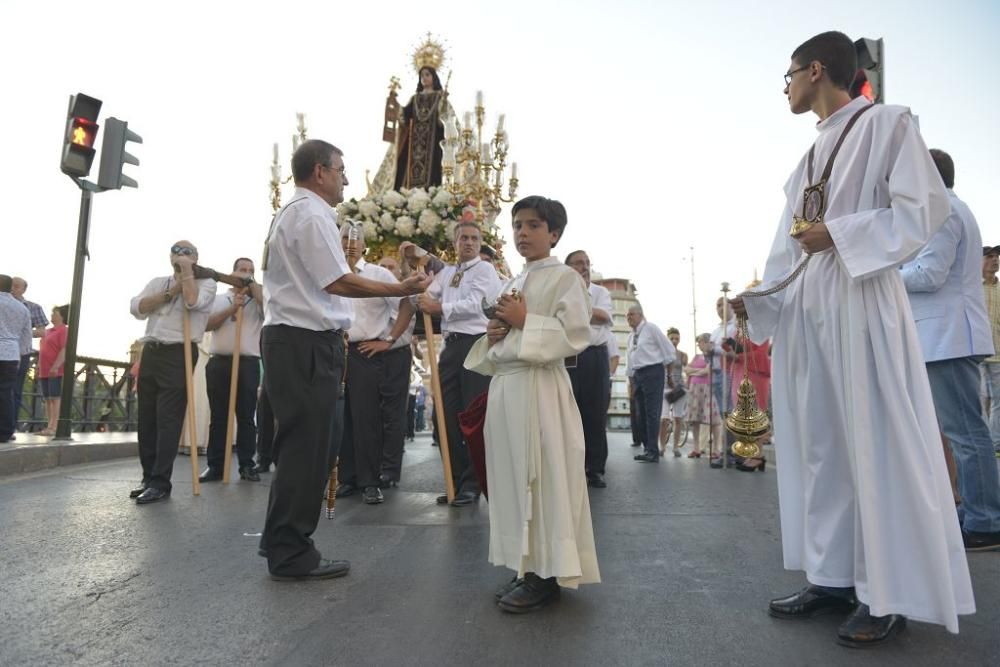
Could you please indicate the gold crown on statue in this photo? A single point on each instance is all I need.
(429, 54)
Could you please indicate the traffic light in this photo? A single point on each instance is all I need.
(81, 133)
(114, 157)
(871, 62)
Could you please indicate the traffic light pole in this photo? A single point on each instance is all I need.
(65, 426)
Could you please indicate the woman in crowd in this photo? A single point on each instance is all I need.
(51, 356)
(701, 403)
(676, 411)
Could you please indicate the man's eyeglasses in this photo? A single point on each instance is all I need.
(788, 77)
(341, 169)
(182, 250)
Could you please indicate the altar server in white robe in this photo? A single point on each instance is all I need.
(540, 524)
(866, 505)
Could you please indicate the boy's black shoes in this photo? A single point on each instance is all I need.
(531, 594)
(810, 601)
(862, 630)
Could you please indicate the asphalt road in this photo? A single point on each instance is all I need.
(689, 558)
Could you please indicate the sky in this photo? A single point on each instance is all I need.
(661, 126)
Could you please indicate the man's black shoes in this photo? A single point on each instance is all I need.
(531, 594)
(249, 473)
(596, 480)
(646, 457)
(136, 492)
(327, 569)
(151, 495)
(810, 601)
(507, 588)
(862, 630)
(981, 541)
(210, 475)
(372, 495)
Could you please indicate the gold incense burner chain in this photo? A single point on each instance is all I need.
(747, 421)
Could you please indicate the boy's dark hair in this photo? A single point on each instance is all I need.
(242, 259)
(310, 154)
(835, 51)
(64, 313)
(945, 166)
(549, 210)
(6, 283)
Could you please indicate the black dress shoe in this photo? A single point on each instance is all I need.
(372, 495)
(862, 630)
(210, 475)
(465, 498)
(531, 594)
(507, 588)
(137, 491)
(635, 444)
(345, 489)
(810, 601)
(596, 480)
(442, 499)
(263, 466)
(151, 495)
(327, 569)
(646, 457)
(249, 473)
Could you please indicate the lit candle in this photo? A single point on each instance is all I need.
(276, 173)
(301, 117)
(468, 120)
(486, 159)
(500, 123)
(295, 142)
(479, 98)
(275, 150)
(513, 170)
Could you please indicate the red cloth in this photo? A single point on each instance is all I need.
(471, 421)
(759, 372)
(53, 341)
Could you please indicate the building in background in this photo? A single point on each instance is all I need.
(623, 297)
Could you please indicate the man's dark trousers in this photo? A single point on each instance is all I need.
(459, 388)
(8, 376)
(217, 381)
(374, 411)
(649, 381)
(302, 372)
(633, 414)
(592, 389)
(162, 404)
(22, 373)
(396, 402)
(266, 454)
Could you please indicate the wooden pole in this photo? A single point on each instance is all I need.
(331, 489)
(233, 381)
(189, 386)
(439, 407)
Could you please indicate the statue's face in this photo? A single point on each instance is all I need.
(426, 79)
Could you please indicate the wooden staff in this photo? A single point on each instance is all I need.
(331, 489)
(189, 386)
(449, 483)
(234, 376)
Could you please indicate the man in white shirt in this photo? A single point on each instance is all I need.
(946, 295)
(377, 379)
(590, 376)
(307, 283)
(15, 341)
(990, 369)
(457, 295)
(162, 385)
(866, 504)
(218, 373)
(649, 354)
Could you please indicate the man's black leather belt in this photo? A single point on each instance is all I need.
(456, 335)
(155, 344)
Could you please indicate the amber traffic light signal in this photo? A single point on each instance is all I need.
(81, 133)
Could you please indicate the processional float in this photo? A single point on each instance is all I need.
(437, 171)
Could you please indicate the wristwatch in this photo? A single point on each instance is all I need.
(389, 338)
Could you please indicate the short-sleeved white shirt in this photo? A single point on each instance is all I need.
(600, 297)
(373, 317)
(304, 255)
(224, 338)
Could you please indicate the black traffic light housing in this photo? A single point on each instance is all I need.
(81, 134)
(113, 155)
(870, 80)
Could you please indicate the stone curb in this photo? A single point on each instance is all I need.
(32, 458)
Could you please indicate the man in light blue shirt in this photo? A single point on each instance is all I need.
(946, 295)
(15, 341)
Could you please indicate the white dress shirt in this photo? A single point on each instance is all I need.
(304, 255)
(165, 323)
(224, 338)
(611, 341)
(373, 317)
(462, 307)
(15, 328)
(648, 346)
(600, 297)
